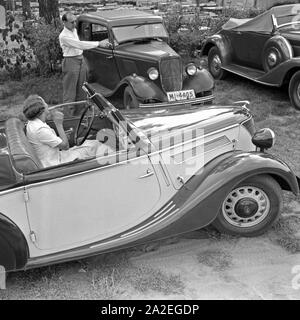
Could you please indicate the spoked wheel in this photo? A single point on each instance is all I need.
(215, 64)
(251, 207)
(294, 90)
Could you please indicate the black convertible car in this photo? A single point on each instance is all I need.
(265, 49)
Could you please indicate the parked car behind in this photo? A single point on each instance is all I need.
(265, 49)
(137, 64)
(168, 171)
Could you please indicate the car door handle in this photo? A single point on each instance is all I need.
(69, 131)
(109, 57)
(148, 174)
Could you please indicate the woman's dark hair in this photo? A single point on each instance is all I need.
(34, 106)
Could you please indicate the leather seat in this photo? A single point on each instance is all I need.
(22, 153)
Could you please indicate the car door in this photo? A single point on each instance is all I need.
(68, 210)
(248, 46)
(101, 61)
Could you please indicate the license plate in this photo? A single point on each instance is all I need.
(181, 95)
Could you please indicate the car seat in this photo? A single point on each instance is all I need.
(22, 154)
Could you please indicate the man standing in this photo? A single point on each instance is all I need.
(74, 67)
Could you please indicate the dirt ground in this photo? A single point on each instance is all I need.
(243, 269)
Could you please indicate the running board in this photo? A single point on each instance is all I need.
(248, 73)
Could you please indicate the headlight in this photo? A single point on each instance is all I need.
(264, 138)
(153, 74)
(191, 69)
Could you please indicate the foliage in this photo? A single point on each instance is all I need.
(187, 33)
(16, 58)
(43, 39)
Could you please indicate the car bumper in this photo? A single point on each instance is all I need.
(196, 101)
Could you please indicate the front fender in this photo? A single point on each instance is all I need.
(143, 88)
(14, 251)
(225, 173)
(277, 75)
(200, 199)
(222, 43)
(201, 81)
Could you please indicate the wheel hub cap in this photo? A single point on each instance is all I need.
(272, 59)
(216, 63)
(246, 206)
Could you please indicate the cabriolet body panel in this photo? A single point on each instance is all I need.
(192, 207)
(171, 180)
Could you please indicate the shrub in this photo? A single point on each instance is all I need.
(15, 56)
(43, 39)
(188, 34)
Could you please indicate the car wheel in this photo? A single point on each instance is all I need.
(275, 52)
(251, 207)
(294, 90)
(130, 100)
(215, 63)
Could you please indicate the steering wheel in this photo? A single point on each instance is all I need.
(85, 121)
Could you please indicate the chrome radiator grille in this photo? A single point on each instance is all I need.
(171, 75)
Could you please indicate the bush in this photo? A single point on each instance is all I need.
(43, 39)
(15, 56)
(188, 34)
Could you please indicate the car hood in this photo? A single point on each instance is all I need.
(156, 49)
(209, 119)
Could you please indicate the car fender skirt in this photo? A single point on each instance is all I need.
(200, 82)
(145, 89)
(222, 44)
(13, 246)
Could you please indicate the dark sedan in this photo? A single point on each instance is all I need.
(136, 62)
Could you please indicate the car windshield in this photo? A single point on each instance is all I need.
(139, 31)
(288, 20)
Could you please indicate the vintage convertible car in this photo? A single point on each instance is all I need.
(265, 49)
(136, 63)
(159, 173)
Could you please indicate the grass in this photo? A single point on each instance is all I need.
(104, 277)
(216, 259)
(13, 93)
(284, 232)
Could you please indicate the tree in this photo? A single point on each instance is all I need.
(10, 5)
(48, 9)
(26, 9)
